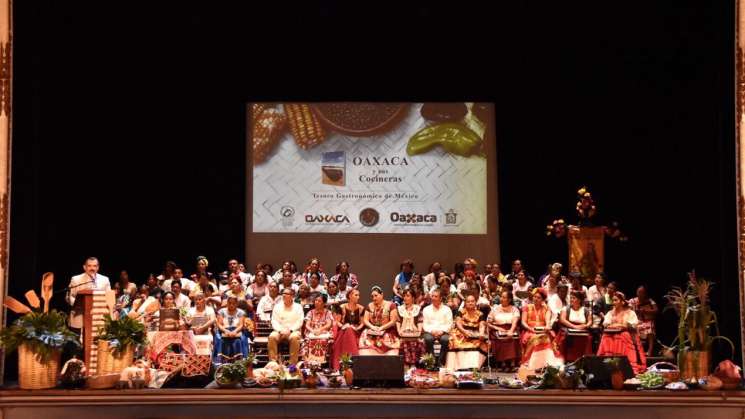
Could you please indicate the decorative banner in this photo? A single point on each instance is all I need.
(6, 68)
(369, 168)
(586, 251)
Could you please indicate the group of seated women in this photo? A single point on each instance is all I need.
(472, 317)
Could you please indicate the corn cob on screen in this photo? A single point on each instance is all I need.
(355, 167)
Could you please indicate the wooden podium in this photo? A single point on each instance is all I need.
(92, 305)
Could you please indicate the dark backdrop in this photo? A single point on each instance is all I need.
(129, 123)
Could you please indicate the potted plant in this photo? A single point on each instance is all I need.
(250, 362)
(345, 362)
(695, 320)
(117, 340)
(39, 338)
(228, 375)
(428, 361)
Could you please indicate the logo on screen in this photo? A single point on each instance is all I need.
(288, 215)
(326, 219)
(369, 217)
(413, 218)
(451, 217)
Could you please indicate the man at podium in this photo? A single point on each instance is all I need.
(88, 280)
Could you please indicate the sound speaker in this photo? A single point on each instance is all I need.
(378, 371)
(598, 372)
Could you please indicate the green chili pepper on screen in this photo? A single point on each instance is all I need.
(455, 138)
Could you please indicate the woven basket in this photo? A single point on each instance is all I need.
(108, 363)
(35, 375)
(670, 374)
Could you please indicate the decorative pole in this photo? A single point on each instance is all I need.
(740, 151)
(6, 74)
(585, 239)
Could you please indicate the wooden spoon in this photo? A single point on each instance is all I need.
(47, 282)
(111, 299)
(32, 298)
(15, 305)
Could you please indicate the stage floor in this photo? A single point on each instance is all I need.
(369, 403)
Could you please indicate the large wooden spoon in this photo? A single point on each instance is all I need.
(32, 298)
(47, 285)
(15, 305)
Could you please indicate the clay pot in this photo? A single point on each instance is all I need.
(348, 376)
(616, 380)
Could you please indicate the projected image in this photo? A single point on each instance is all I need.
(355, 167)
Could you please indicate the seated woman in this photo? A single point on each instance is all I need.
(144, 306)
(334, 295)
(469, 286)
(318, 324)
(349, 327)
(619, 334)
(537, 339)
(304, 298)
(267, 302)
(201, 319)
(503, 322)
(409, 327)
(314, 284)
(379, 336)
(344, 278)
(402, 279)
(258, 288)
(574, 339)
(168, 318)
(229, 339)
(468, 348)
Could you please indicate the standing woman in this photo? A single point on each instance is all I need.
(537, 340)
(379, 336)
(574, 339)
(503, 322)
(409, 328)
(619, 334)
(402, 279)
(318, 324)
(646, 311)
(350, 325)
(468, 347)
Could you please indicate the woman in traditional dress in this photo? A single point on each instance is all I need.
(503, 322)
(521, 290)
(314, 267)
(619, 334)
(349, 327)
(318, 324)
(409, 329)
(537, 339)
(144, 306)
(304, 298)
(229, 339)
(468, 346)
(258, 288)
(574, 339)
(646, 311)
(402, 279)
(379, 336)
(344, 278)
(201, 319)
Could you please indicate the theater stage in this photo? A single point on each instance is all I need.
(368, 403)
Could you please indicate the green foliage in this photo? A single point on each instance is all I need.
(43, 333)
(231, 373)
(122, 333)
(695, 317)
(345, 361)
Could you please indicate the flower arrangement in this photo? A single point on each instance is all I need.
(428, 361)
